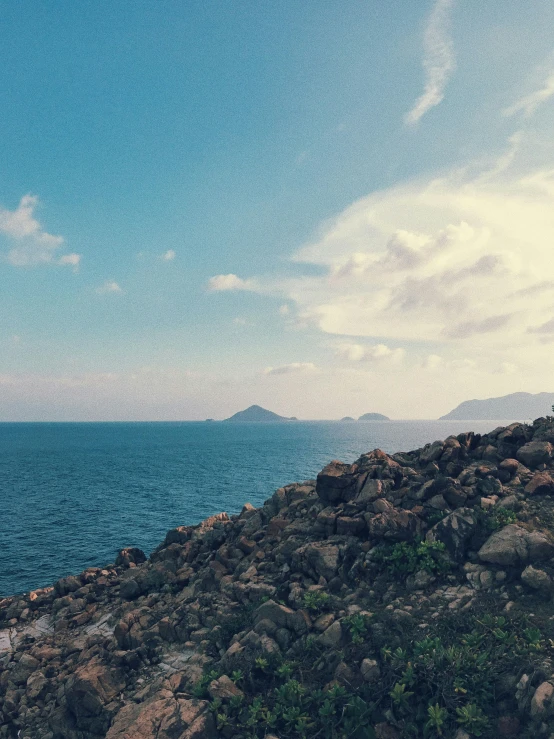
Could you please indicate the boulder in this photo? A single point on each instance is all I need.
(224, 689)
(540, 484)
(89, 690)
(537, 579)
(455, 531)
(335, 483)
(332, 636)
(130, 556)
(281, 616)
(164, 717)
(534, 453)
(514, 545)
(542, 700)
(394, 525)
(319, 557)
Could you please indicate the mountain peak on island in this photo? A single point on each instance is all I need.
(513, 407)
(373, 417)
(256, 414)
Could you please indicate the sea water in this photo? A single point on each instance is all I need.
(73, 494)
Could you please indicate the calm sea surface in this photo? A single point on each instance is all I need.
(73, 494)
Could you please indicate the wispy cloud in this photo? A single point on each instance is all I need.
(71, 260)
(169, 255)
(109, 287)
(368, 353)
(529, 103)
(226, 283)
(33, 245)
(293, 368)
(438, 61)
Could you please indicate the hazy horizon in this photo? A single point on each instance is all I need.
(325, 209)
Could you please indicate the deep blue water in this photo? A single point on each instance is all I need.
(73, 494)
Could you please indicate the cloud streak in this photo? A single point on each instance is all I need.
(438, 61)
(229, 283)
(529, 103)
(291, 369)
(110, 287)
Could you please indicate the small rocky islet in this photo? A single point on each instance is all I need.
(404, 595)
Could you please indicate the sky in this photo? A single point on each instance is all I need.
(324, 208)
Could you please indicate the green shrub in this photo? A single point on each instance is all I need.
(497, 517)
(405, 558)
(429, 687)
(315, 600)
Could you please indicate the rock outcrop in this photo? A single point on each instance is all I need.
(389, 595)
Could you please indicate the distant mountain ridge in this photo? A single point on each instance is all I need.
(256, 414)
(373, 417)
(513, 407)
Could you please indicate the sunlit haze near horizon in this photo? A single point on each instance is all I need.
(321, 208)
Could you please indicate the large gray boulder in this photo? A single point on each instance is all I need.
(455, 531)
(514, 545)
(534, 453)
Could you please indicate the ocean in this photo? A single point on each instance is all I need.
(73, 494)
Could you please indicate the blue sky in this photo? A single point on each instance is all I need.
(324, 208)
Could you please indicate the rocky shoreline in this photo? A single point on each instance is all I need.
(404, 595)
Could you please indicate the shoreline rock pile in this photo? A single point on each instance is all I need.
(404, 595)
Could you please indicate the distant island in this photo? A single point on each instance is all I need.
(513, 407)
(347, 418)
(257, 414)
(373, 417)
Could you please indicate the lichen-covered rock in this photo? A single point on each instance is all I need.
(319, 557)
(455, 531)
(513, 545)
(537, 579)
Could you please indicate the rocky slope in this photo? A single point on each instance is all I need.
(400, 596)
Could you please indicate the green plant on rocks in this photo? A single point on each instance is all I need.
(315, 600)
(405, 558)
(357, 625)
(495, 518)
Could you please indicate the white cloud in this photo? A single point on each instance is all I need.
(33, 245)
(109, 287)
(169, 255)
(368, 353)
(529, 103)
(438, 61)
(226, 283)
(73, 260)
(293, 368)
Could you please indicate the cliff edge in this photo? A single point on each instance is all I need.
(404, 595)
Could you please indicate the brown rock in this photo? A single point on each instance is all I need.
(282, 616)
(335, 482)
(89, 690)
(164, 718)
(541, 484)
(224, 689)
(320, 557)
(542, 699)
(394, 525)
